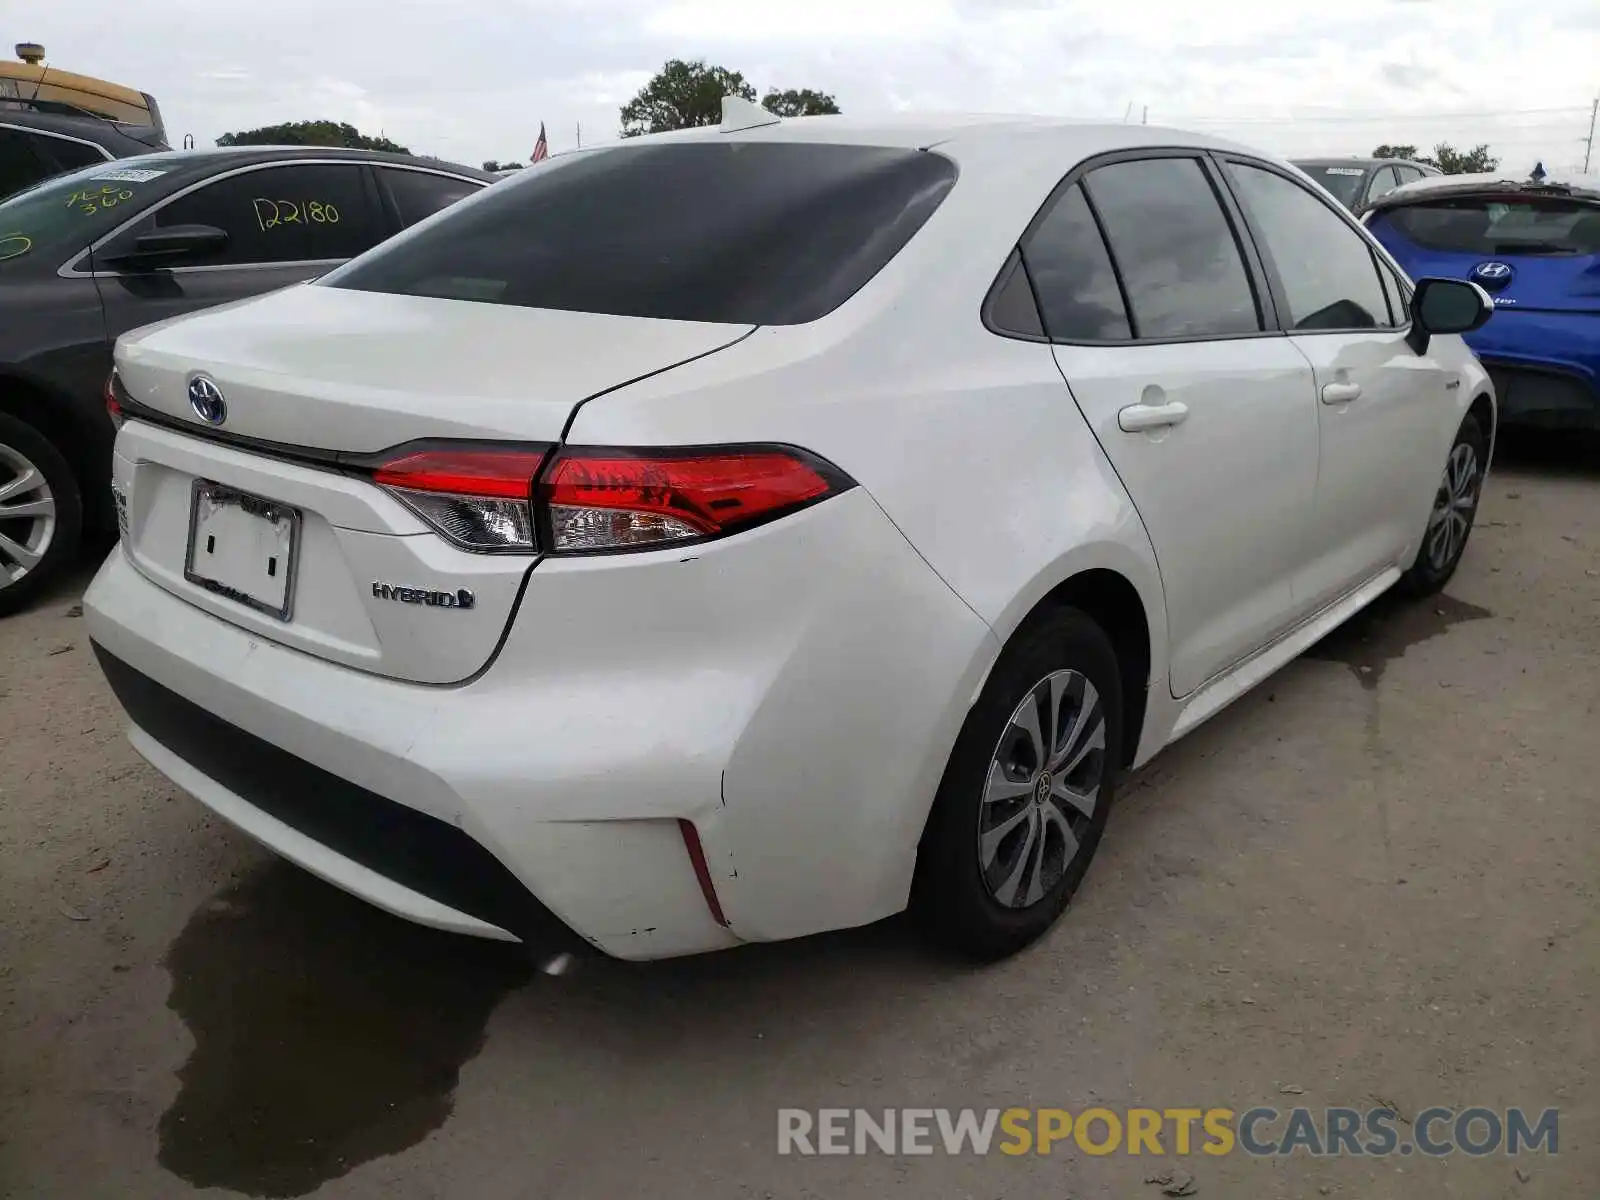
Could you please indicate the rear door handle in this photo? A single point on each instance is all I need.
(1137, 418)
(1341, 393)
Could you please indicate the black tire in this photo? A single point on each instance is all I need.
(22, 440)
(1431, 570)
(954, 897)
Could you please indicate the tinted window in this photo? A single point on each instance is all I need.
(1490, 225)
(19, 165)
(1012, 310)
(295, 213)
(1384, 180)
(770, 233)
(419, 194)
(1072, 273)
(1179, 261)
(1329, 274)
(69, 156)
(1408, 174)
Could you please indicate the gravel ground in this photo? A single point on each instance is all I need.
(1372, 880)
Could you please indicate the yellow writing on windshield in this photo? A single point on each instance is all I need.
(91, 202)
(14, 245)
(271, 214)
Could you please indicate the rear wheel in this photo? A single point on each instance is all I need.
(1024, 800)
(41, 513)
(1455, 507)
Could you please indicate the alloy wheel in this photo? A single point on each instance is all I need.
(27, 516)
(1453, 507)
(1042, 788)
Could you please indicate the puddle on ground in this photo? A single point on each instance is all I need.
(327, 1033)
(1387, 628)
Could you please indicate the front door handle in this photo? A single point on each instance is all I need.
(1341, 393)
(1137, 418)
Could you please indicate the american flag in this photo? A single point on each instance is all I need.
(541, 148)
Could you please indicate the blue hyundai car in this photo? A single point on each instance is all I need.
(1534, 246)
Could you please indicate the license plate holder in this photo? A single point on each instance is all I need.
(243, 547)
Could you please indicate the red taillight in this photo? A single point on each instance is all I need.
(634, 499)
(506, 474)
(113, 405)
(595, 500)
(478, 499)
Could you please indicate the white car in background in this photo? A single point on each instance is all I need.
(741, 533)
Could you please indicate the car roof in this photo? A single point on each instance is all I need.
(922, 131)
(121, 140)
(1555, 183)
(1355, 161)
(201, 160)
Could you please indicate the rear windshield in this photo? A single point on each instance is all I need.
(761, 233)
(1488, 226)
(1343, 182)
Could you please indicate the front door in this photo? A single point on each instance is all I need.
(1209, 419)
(1381, 405)
(286, 223)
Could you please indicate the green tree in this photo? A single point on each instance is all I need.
(1457, 162)
(1406, 151)
(799, 102)
(310, 133)
(682, 95)
(492, 165)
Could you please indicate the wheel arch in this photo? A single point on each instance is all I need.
(46, 410)
(1111, 601)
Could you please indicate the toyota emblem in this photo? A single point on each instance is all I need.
(205, 397)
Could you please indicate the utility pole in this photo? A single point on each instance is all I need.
(1588, 142)
(580, 134)
(1144, 116)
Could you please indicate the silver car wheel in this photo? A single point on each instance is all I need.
(1042, 789)
(27, 516)
(1453, 508)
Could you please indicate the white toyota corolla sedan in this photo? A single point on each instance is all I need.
(734, 534)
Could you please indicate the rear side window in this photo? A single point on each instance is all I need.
(1072, 273)
(764, 233)
(69, 155)
(19, 165)
(419, 194)
(298, 212)
(1383, 182)
(1328, 271)
(1487, 226)
(1174, 248)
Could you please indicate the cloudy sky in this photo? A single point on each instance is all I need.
(472, 79)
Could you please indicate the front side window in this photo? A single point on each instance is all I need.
(68, 155)
(1072, 273)
(760, 233)
(1176, 252)
(1328, 271)
(300, 212)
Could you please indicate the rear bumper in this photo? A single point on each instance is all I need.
(1545, 367)
(793, 692)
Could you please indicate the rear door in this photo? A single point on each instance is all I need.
(286, 222)
(1207, 415)
(1383, 408)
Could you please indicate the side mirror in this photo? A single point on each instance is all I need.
(1446, 306)
(161, 247)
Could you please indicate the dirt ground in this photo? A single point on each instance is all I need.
(1372, 880)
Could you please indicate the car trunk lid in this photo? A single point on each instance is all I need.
(271, 519)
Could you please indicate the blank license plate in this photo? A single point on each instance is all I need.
(243, 547)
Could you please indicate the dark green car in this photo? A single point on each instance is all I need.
(89, 255)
